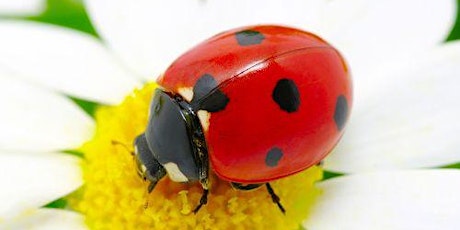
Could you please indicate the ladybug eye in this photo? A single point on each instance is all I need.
(286, 95)
(157, 108)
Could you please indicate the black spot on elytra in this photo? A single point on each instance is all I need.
(249, 37)
(203, 86)
(273, 157)
(206, 95)
(286, 95)
(341, 112)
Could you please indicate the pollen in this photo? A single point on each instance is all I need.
(115, 197)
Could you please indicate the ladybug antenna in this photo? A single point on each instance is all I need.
(115, 142)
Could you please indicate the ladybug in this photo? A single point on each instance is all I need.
(254, 104)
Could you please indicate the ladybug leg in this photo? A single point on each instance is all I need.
(275, 197)
(203, 169)
(202, 161)
(203, 201)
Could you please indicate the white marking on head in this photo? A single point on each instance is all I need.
(174, 172)
(186, 93)
(204, 117)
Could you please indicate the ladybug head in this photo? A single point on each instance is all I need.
(147, 167)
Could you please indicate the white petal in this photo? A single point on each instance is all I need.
(372, 33)
(65, 60)
(46, 219)
(150, 34)
(411, 121)
(33, 119)
(425, 199)
(30, 181)
(21, 7)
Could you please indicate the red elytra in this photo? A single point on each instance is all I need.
(288, 93)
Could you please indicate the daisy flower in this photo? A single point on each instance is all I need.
(404, 119)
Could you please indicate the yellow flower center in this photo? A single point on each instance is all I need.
(115, 197)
